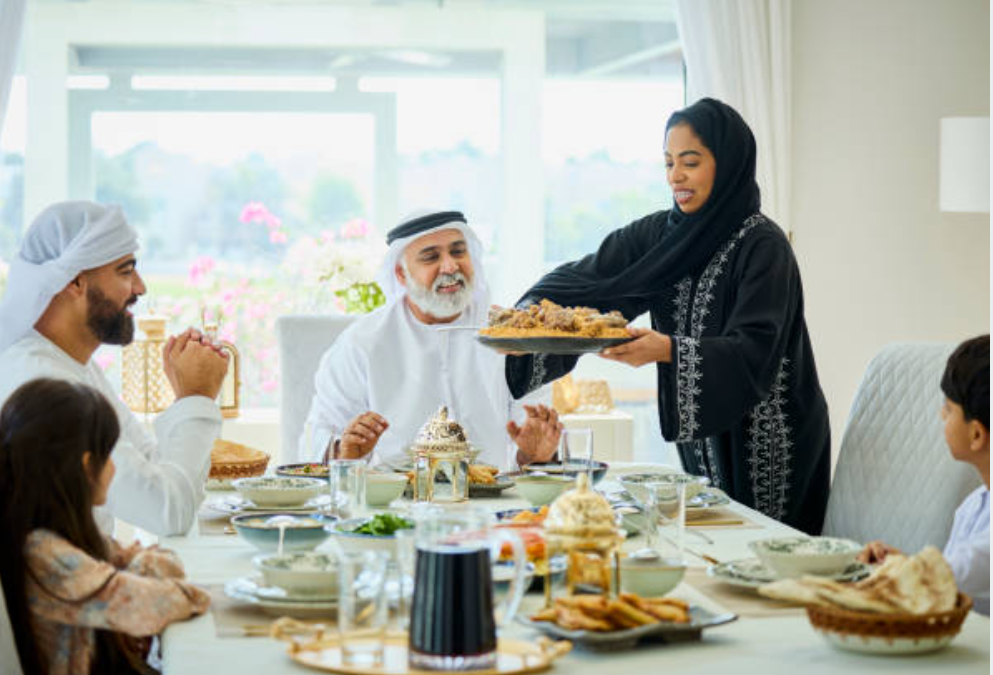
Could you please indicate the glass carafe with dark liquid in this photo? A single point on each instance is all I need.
(453, 621)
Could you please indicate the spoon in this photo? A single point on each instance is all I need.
(282, 522)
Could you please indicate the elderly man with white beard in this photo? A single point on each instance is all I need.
(388, 372)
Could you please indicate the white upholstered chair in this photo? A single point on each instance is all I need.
(302, 339)
(895, 479)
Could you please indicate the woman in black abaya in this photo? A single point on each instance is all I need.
(737, 386)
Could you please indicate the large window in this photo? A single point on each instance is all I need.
(602, 146)
(12, 174)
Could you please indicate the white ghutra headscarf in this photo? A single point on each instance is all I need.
(65, 239)
(415, 226)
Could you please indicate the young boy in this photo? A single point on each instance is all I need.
(966, 413)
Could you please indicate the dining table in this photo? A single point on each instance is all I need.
(759, 640)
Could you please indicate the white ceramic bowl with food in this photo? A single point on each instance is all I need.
(650, 577)
(345, 533)
(300, 573)
(792, 557)
(383, 488)
(539, 490)
(280, 491)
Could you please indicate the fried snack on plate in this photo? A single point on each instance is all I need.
(575, 619)
(482, 474)
(662, 609)
(598, 613)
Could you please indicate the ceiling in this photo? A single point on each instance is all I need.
(612, 39)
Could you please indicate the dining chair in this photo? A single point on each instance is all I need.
(10, 663)
(895, 479)
(302, 340)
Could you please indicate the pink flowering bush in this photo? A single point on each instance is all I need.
(332, 272)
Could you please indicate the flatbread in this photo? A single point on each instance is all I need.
(919, 584)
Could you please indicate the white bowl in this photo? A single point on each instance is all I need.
(279, 491)
(541, 490)
(383, 488)
(650, 578)
(341, 532)
(791, 557)
(636, 483)
(301, 573)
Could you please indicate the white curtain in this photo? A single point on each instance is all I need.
(738, 51)
(11, 24)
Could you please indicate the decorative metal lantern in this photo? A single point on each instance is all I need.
(144, 385)
(229, 398)
(581, 524)
(441, 448)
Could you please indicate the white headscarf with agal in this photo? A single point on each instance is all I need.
(65, 239)
(415, 226)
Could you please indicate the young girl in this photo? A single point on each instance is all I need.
(78, 602)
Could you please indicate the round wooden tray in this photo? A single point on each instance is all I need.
(513, 656)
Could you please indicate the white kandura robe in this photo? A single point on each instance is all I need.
(158, 485)
(390, 363)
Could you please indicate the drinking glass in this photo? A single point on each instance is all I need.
(668, 495)
(576, 451)
(362, 607)
(403, 567)
(346, 481)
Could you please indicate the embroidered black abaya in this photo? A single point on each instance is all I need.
(740, 398)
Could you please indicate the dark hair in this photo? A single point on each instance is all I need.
(45, 428)
(967, 379)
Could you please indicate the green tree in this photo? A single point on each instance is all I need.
(217, 227)
(332, 201)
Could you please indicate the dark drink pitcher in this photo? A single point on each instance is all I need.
(452, 620)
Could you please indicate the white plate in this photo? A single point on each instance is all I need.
(253, 591)
(234, 504)
(752, 573)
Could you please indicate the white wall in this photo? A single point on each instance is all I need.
(880, 263)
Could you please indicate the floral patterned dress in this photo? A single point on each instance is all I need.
(139, 592)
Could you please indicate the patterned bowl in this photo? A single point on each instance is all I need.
(792, 557)
(279, 491)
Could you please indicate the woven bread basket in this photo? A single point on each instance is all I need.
(890, 626)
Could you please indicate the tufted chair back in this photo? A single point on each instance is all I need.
(895, 479)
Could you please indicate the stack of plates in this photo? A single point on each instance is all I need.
(277, 602)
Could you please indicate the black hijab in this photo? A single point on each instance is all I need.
(671, 244)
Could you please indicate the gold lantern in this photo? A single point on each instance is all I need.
(144, 386)
(581, 524)
(229, 398)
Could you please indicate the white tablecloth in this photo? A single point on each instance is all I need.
(749, 645)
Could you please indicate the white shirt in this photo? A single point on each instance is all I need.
(390, 363)
(158, 486)
(968, 548)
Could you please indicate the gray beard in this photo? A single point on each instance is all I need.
(439, 305)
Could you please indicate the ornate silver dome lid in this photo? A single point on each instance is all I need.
(441, 433)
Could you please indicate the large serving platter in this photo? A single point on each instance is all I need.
(752, 573)
(662, 631)
(550, 345)
(514, 657)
